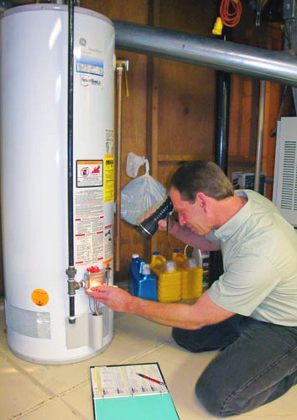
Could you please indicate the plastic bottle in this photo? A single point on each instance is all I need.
(134, 272)
(179, 257)
(192, 281)
(181, 264)
(169, 283)
(157, 262)
(146, 286)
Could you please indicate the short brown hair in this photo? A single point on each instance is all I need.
(201, 176)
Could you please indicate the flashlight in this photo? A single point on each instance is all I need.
(150, 225)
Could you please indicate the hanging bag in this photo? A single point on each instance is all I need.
(141, 194)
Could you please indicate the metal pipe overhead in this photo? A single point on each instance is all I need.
(277, 66)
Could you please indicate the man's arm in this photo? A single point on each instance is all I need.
(191, 238)
(203, 312)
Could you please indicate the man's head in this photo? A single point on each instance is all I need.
(195, 188)
(201, 176)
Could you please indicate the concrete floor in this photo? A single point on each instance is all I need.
(41, 392)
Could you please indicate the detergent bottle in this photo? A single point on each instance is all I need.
(192, 284)
(182, 266)
(169, 283)
(179, 257)
(134, 272)
(157, 262)
(146, 286)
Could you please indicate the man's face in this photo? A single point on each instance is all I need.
(193, 215)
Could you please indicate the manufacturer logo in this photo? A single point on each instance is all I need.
(88, 80)
(82, 42)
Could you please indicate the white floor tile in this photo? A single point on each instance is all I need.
(18, 392)
(81, 400)
(53, 410)
(32, 392)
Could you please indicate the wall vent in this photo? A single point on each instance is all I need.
(285, 169)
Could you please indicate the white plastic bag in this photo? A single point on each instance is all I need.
(139, 196)
(133, 164)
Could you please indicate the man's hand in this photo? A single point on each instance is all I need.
(203, 312)
(113, 297)
(162, 224)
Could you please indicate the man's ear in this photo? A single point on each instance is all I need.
(201, 199)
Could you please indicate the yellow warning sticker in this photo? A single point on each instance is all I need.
(108, 178)
(40, 297)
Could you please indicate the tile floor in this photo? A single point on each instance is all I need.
(44, 392)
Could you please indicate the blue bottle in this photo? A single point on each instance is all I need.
(134, 272)
(146, 286)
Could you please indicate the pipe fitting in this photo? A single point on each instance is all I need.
(72, 284)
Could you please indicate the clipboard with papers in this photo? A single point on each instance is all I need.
(131, 392)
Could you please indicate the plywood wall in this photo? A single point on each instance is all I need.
(169, 115)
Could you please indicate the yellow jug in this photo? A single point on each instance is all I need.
(169, 283)
(192, 281)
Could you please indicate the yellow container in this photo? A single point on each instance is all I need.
(192, 280)
(169, 282)
(192, 275)
(179, 258)
(157, 261)
(181, 264)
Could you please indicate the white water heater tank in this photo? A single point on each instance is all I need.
(34, 118)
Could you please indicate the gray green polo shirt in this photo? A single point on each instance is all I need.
(259, 249)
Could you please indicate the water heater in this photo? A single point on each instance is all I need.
(34, 174)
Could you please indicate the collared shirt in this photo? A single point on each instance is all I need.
(259, 249)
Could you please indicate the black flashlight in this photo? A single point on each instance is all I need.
(150, 225)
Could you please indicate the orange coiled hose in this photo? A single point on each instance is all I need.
(230, 12)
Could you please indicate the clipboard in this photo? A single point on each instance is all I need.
(119, 392)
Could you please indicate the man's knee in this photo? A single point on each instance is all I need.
(210, 397)
(184, 338)
(177, 335)
(218, 397)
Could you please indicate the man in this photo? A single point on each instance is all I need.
(250, 312)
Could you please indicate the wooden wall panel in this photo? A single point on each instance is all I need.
(169, 115)
(244, 106)
(130, 10)
(186, 109)
(186, 92)
(134, 110)
(186, 95)
(243, 122)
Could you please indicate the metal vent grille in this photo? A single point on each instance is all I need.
(288, 185)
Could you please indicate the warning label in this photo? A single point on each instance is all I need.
(89, 173)
(108, 178)
(88, 226)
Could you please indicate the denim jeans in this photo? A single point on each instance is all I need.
(257, 363)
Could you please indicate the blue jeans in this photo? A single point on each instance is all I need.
(257, 363)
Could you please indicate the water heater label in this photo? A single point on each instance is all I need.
(89, 173)
(90, 66)
(88, 226)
